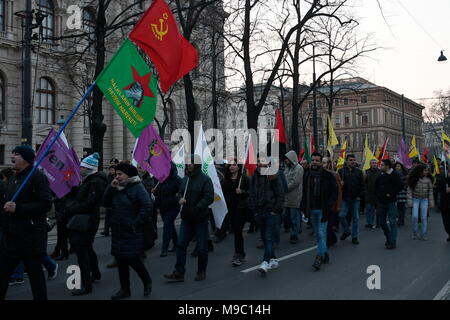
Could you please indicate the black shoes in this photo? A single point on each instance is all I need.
(147, 289)
(293, 240)
(210, 246)
(355, 241)
(163, 254)
(82, 291)
(62, 257)
(345, 235)
(317, 263)
(175, 276)
(326, 258)
(391, 246)
(200, 276)
(121, 294)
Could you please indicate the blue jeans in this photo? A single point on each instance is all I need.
(351, 205)
(169, 231)
(388, 211)
(46, 261)
(296, 222)
(423, 205)
(268, 223)
(370, 213)
(187, 231)
(320, 231)
(276, 232)
(18, 273)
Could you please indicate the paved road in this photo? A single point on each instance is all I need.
(415, 270)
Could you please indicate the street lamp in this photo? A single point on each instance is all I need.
(442, 57)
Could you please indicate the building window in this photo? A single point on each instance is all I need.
(2, 154)
(347, 120)
(233, 124)
(310, 105)
(86, 124)
(311, 123)
(319, 123)
(48, 25)
(241, 123)
(2, 15)
(365, 119)
(336, 102)
(345, 101)
(2, 99)
(364, 99)
(89, 27)
(319, 104)
(46, 102)
(338, 121)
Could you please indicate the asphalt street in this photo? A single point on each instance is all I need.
(415, 270)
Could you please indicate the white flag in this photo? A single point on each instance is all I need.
(178, 159)
(219, 206)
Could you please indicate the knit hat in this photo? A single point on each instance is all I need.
(91, 162)
(26, 152)
(128, 169)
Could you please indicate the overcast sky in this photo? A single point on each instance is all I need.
(408, 64)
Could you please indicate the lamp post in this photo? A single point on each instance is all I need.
(442, 57)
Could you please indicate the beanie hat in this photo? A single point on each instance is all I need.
(91, 162)
(26, 152)
(128, 169)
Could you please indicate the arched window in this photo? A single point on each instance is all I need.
(2, 98)
(48, 25)
(2, 15)
(89, 27)
(45, 102)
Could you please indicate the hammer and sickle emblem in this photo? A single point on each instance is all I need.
(154, 150)
(160, 33)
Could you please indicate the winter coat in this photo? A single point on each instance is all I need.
(87, 201)
(2, 194)
(294, 177)
(442, 189)
(369, 180)
(130, 208)
(387, 187)
(423, 190)
(328, 193)
(199, 196)
(25, 230)
(266, 194)
(166, 193)
(353, 180)
(402, 197)
(338, 204)
(234, 200)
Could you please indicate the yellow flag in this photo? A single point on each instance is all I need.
(446, 144)
(341, 160)
(436, 167)
(332, 139)
(368, 155)
(413, 151)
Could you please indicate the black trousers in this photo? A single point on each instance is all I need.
(136, 263)
(333, 220)
(35, 273)
(107, 221)
(446, 220)
(62, 241)
(88, 263)
(238, 219)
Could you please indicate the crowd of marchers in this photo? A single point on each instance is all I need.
(306, 195)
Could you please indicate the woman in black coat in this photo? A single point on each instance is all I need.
(130, 207)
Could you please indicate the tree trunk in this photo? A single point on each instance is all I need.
(98, 128)
(190, 106)
(214, 81)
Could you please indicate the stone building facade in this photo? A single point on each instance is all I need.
(60, 77)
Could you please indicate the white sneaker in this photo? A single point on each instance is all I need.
(273, 264)
(263, 268)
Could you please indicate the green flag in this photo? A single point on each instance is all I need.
(130, 87)
(307, 152)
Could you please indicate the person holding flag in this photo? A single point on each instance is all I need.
(443, 187)
(196, 194)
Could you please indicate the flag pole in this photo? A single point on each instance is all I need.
(243, 165)
(184, 195)
(22, 186)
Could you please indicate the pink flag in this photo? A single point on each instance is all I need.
(403, 153)
(152, 154)
(61, 165)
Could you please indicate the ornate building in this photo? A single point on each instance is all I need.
(61, 69)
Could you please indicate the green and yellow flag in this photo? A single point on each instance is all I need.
(130, 87)
(446, 144)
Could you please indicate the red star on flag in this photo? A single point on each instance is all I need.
(145, 83)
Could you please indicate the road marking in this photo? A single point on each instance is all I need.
(444, 293)
(283, 258)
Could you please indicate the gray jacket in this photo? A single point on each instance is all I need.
(294, 178)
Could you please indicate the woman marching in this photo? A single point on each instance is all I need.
(130, 207)
(401, 197)
(420, 198)
(235, 187)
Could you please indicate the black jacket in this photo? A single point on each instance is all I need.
(387, 187)
(2, 194)
(166, 193)
(199, 196)
(266, 194)
(328, 193)
(87, 201)
(234, 200)
(25, 230)
(441, 185)
(354, 186)
(130, 207)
